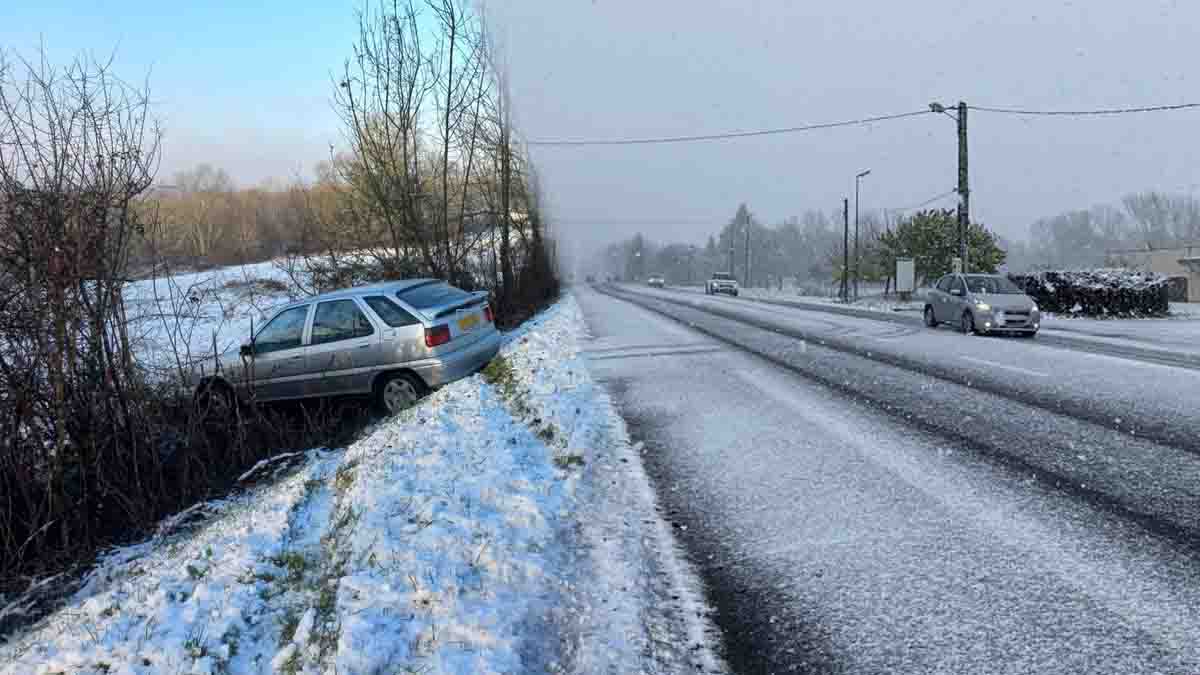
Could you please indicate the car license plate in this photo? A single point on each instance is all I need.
(1000, 318)
(468, 323)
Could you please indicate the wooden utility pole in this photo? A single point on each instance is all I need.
(964, 191)
(747, 250)
(845, 292)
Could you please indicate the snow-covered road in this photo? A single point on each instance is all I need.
(903, 500)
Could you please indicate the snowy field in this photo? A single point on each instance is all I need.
(494, 528)
(176, 320)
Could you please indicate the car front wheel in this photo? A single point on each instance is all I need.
(930, 320)
(968, 323)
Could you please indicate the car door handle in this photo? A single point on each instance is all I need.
(295, 358)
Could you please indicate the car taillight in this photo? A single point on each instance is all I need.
(438, 335)
(487, 314)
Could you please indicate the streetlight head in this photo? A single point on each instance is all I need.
(937, 108)
(864, 173)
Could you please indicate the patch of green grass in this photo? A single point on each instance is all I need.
(196, 573)
(292, 665)
(344, 479)
(288, 625)
(500, 374)
(195, 647)
(566, 462)
(344, 518)
(250, 576)
(294, 563)
(231, 638)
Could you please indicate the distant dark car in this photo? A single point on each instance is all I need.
(657, 281)
(591, 279)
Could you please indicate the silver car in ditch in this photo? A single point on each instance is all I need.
(982, 303)
(393, 341)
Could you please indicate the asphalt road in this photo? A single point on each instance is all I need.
(863, 496)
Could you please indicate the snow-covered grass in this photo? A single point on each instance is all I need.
(1185, 310)
(503, 525)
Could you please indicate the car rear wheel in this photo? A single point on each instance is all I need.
(397, 392)
(968, 323)
(930, 320)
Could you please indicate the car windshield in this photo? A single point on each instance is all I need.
(722, 276)
(981, 284)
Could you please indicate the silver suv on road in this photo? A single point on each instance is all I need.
(393, 341)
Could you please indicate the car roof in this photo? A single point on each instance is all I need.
(384, 287)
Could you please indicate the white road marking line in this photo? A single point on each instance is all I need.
(993, 364)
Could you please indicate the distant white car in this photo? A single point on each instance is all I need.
(656, 281)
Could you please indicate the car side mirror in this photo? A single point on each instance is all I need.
(956, 291)
(246, 349)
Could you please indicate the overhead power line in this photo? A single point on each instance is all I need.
(732, 134)
(1085, 113)
(924, 203)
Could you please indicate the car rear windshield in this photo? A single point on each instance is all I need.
(436, 294)
(989, 285)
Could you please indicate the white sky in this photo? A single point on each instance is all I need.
(630, 68)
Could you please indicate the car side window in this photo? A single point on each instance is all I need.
(339, 320)
(391, 313)
(958, 283)
(285, 331)
(943, 284)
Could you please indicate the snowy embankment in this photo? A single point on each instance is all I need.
(503, 525)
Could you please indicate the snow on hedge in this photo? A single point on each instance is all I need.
(1098, 292)
(498, 527)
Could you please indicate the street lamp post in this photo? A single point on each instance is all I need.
(857, 180)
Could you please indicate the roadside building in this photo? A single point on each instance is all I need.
(1180, 264)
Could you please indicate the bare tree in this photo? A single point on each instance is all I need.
(381, 97)
(77, 147)
(1163, 219)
